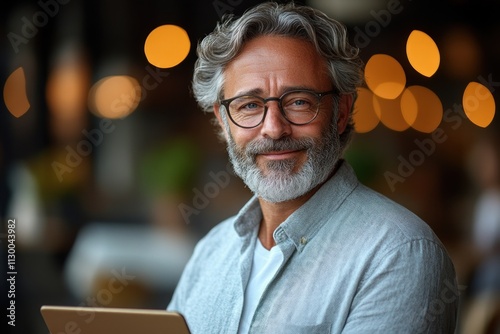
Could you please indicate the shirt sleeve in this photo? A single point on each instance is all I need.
(175, 303)
(185, 282)
(411, 289)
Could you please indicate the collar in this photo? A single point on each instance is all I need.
(302, 225)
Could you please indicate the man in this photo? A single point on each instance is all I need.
(313, 251)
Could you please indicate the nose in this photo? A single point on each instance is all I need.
(275, 125)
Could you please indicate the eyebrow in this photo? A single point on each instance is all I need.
(254, 91)
(283, 90)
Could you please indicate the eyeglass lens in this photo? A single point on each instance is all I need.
(299, 107)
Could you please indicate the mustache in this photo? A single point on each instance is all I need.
(267, 145)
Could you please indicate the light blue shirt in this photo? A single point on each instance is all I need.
(354, 262)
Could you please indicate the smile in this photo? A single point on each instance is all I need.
(279, 155)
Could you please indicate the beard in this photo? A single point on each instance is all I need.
(283, 180)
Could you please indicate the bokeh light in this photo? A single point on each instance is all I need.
(385, 76)
(479, 104)
(66, 93)
(421, 108)
(167, 46)
(67, 88)
(365, 117)
(423, 53)
(14, 93)
(115, 96)
(390, 113)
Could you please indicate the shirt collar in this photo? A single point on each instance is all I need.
(302, 225)
(248, 218)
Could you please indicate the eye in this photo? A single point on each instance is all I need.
(251, 105)
(247, 104)
(298, 102)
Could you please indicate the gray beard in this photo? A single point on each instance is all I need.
(281, 183)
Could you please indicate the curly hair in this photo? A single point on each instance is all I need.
(327, 35)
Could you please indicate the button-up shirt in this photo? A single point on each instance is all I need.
(354, 261)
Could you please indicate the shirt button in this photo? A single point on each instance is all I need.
(303, 240)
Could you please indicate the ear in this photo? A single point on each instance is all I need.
(345, 107)
(219, 118)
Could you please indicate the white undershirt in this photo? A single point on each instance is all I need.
(264, 266)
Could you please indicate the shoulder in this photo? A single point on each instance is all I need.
(354, 207)
(375, 228)
(394, 237)
(380, 214)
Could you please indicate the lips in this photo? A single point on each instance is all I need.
(280, 154)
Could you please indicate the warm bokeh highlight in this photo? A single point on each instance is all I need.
(385, 76)
(115, 96)
(366, 118)
(423, 53)
(167, 46)
(390, 113)
(479, 104)
(14, 93)
(421, 108)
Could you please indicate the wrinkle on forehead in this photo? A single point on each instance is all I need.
(272, 64)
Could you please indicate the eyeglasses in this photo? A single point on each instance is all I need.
(299, 107)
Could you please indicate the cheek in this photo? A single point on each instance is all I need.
(242, 136)
(317, 129)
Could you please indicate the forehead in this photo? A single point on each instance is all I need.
(272, 63)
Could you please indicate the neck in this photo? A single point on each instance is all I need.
(273, 214)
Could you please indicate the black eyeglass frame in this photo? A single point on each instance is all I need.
(319, 96)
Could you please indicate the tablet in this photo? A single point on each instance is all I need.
(102, 320)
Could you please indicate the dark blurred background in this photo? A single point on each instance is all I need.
(107, 211)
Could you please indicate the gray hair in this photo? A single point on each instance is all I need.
(328, 36)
